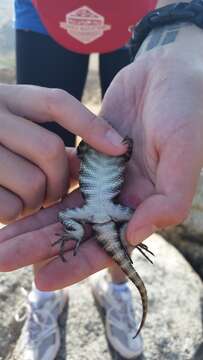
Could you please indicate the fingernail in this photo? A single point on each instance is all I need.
(114, 137)
(141, 234)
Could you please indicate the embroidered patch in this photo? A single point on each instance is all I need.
(84, 24)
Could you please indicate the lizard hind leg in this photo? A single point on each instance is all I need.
(123, 241)
(73, 230)
(143, 248)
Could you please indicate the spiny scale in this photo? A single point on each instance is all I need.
(101, 178)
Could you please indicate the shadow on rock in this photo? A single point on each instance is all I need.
(199, 354)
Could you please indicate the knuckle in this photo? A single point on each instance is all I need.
(11, 212)
(95, 127)
(33, 189)
(51, 148)
(92, 126)
(12, 215)
(37, 182)
(54, 98)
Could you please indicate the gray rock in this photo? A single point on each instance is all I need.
(194, 221)
(10, 301)
(173, 329)
(188, 237)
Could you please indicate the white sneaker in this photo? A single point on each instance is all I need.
(40, 337)
(119, 317)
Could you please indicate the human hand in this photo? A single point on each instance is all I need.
(34, 170)
(157, 101)
(29, 241)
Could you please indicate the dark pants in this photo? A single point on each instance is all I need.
(41, 61)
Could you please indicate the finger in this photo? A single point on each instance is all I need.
(11, 206)
(177, 176)
(42, 148)
(156, 212)
(73, 162)
(30, 187)
(30, 248)
(39, 220)
(42, 105)
(57, 274)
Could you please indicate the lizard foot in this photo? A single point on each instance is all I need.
(142, 248)
(62, 240)
(72, 231)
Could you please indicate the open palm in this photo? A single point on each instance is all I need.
(162, 113)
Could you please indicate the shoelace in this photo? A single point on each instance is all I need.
(36, 317)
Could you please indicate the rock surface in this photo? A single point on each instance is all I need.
(173, 329)
(194, 222)
(188, 237)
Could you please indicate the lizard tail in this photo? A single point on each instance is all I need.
(118, 253)
(132, 274)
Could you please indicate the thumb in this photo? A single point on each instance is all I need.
(156, 212)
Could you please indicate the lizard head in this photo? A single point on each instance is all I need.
(81, 149)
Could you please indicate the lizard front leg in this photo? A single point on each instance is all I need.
(120, 213)
(73, 230)
(80, 214)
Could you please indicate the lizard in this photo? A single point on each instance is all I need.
(101, 177)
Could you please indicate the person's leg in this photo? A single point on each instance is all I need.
(41, 61)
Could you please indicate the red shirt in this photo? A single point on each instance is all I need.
(87, 26)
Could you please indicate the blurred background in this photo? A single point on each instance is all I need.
(92, 94)
(7, 41)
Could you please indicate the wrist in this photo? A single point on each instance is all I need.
(166, 25)
(182, 39)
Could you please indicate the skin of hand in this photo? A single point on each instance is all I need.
(33, 161)
(157, 101)
(166, 124)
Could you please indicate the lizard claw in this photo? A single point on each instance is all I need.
(129, 142)
(142, 248)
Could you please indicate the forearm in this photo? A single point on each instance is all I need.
(181, 38)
